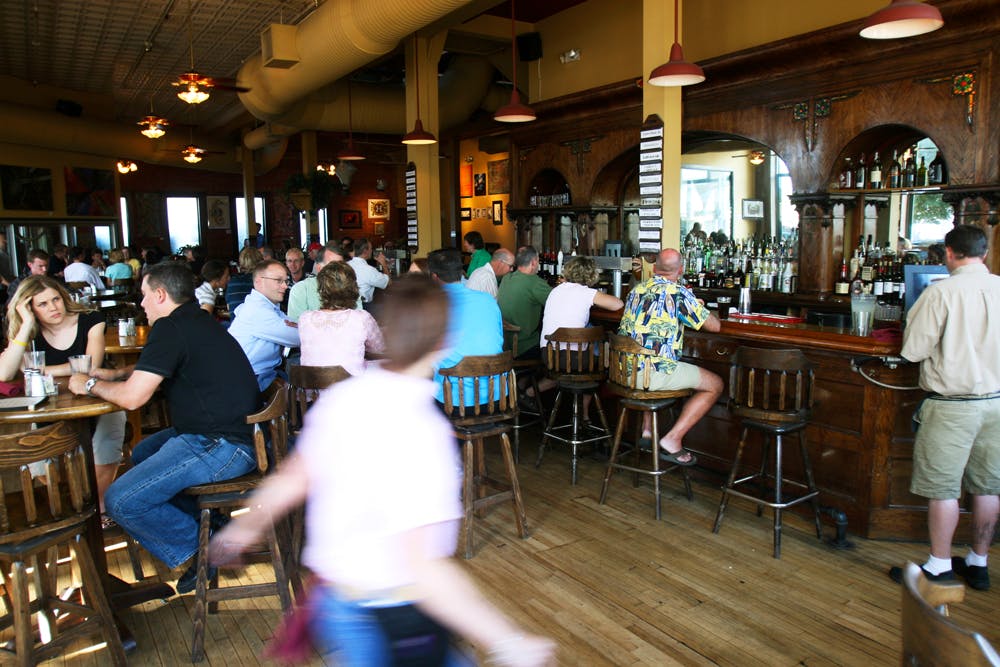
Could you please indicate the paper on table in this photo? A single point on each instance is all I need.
(21, 402)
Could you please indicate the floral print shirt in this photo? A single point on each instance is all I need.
(656, 313)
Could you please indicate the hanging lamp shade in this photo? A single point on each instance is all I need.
(419, 136)
(514, 111)
(676, 71)
(902, 18)
(349, 152)
(152, 126)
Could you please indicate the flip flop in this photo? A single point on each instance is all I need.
(674, 457)
(645, 443)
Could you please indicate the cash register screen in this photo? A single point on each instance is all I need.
(918, 277)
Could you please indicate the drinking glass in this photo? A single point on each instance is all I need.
(725, 303)
(862, 313)
(80, 363)
(35, 359)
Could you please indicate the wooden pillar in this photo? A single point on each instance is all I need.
(821, 239)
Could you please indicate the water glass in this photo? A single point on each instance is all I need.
(862, 313)
(34, 360)
(725, 303)
(80, 363)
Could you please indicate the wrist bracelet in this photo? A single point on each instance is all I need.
(21, 343)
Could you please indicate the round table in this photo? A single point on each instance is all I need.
(124, 351)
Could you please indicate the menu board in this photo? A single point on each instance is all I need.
(651, 184)
(411, 206)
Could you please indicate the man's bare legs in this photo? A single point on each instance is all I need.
(705, 394)
(942, 519)
(984, 522)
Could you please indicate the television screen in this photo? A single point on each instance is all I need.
(918, 277)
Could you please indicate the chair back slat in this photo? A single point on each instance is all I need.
(304, 386)
(759, 384)
(511, 333)
(494, 375)
(577, 352)
(273, 416)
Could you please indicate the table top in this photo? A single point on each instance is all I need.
(115, 344)
(62, 406)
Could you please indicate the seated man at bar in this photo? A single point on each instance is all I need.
(260, 327)
(656, 313)
(521, 297)
(474, 324)
(210, 389)
(305, 295)
(486, 277)
(952, 330)
(369, 278)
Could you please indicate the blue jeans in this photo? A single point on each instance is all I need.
(350, 631)
(148, 501)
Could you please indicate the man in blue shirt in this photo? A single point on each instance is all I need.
(260, 327)
(474, 324)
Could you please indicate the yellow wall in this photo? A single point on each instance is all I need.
(503, 234)
(742, 182)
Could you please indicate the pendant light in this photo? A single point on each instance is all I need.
(152, 125)
(126, 166)
(350, 153)
(514, 112)
(419, 136)
(676, 71)
(902, 18)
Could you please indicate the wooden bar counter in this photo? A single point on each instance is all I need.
(860, 439)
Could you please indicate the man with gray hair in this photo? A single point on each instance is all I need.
(305, 295)
(487, 276)
(522, 299)
(369, 278)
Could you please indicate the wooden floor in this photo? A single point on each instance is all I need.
(615, 587)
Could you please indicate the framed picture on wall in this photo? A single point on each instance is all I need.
(378, 208)
(497, 212)
(350, 219)
(217, 207)
(479, 185)
(465, 214)
(753, 209)
(499, 181)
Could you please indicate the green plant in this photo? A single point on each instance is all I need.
(318, 184)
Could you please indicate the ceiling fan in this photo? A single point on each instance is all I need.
(194, 85)
(756, 157)
(194, 154)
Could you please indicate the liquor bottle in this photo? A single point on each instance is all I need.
(922, 173)
(875, 174)
(937, 173)
(843, 284)
(910, 170)
(748, 274)
(847, 175)
(861, 173)
(738, 276)
(895, 171)
(533, 196)
(857, 283)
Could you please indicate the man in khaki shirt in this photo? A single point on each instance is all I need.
(953, 330)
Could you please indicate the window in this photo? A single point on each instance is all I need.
(242, 232)
(706, 198)
(788, 217)
(928, 217)
(126, 233)
(183, 222)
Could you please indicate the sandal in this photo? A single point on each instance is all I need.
(675, 457)
(107, 523)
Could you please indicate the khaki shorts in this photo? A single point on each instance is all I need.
(685, 376)
(957, 444)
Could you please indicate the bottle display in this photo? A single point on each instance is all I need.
(875, 173)
(765, 264)
(937, 173)
(895, 171)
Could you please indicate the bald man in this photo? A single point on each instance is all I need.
(655, 315)
(487, 277)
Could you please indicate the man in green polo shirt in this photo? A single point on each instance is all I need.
(521, 297)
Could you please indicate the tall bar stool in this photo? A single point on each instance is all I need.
(487, 414)
(574, 358)
(522, 367)
(229, 495)
(625, 379)
(771, 391)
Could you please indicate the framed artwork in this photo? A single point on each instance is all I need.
(499, 181)
(90, 191)
(26, 188)
(218, 211)
(350, 219)
(379, 229)
(479, 185)
(465, 180)
(497, 212)
(753, 209)
(378, 208)
(465, 214)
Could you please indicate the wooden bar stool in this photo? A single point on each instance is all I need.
(487, 412)
(629, 374)
(574, 358)
(771, 391)
(229, 495)
(524, 367)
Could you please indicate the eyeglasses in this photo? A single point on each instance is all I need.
(280, 280)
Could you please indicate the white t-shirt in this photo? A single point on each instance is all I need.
(368, 278)
(568, 305)
(382, 461)
(81, 272)
(204, 294)
(484, 279)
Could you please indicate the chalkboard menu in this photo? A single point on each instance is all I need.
(651, 184)
(411, 206)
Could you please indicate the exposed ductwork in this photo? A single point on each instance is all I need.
(336, 39)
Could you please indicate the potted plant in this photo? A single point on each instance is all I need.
(309, 192)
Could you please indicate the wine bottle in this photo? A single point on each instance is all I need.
(937, 173)
(921, 173)
(895, 171)
(843, 284)
(910, 170)
(875, 174)
(847, 175)
(861, 173)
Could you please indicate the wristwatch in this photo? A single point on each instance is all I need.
(89, 385)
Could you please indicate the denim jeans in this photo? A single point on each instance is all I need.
(148, 501)
(349, 632)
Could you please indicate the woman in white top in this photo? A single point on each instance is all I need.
(215, 277)
(381, 529)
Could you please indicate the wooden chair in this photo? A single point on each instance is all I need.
(529, 368)
(229, 495)
(629, 373)
(771, 391)
(575, 359)
(304, 385)
(930, 637)
(77, 285)
(487, 412)
(35, 519)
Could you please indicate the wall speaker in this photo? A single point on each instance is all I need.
(529, 46)
(69, 108)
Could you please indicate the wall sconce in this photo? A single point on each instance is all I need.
(126, 166)
(330, 168)
(468, 159)
(570, 56)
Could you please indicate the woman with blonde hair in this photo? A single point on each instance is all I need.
(42, 312)
(117, 269)
(241, 283)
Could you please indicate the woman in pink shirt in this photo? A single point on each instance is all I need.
(338, 334)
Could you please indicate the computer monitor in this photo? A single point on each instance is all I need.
(918, 276)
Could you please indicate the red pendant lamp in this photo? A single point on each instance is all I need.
(419, 136)
(676, 71)
(514, 111)
(902, 18)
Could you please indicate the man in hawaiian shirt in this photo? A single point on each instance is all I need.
(656, 313)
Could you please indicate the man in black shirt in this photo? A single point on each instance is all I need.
(210, 388)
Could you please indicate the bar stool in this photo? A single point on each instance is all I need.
(487, 414)
(629, 374)
(530, 367)
(229, 495)
(574, 358)
(771, 391)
